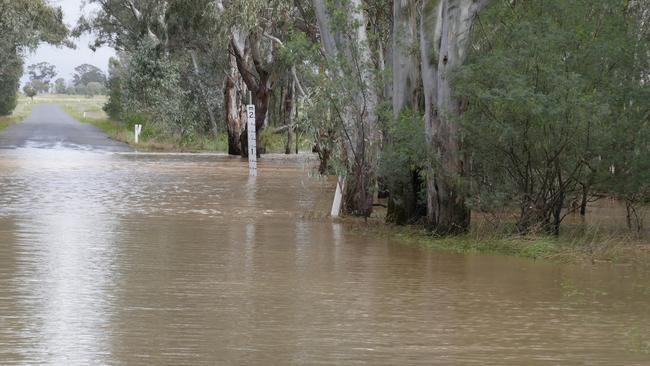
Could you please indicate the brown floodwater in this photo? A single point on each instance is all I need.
(133, 259)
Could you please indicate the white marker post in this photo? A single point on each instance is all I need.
(338, 197)
(252, 141)
(138, 130)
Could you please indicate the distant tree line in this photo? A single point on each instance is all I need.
(88, 80)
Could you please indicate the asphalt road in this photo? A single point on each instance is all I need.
(50, 127)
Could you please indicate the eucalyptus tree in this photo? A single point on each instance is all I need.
(402, 161)
(86, 73)
(430, 39)
(23, 25)
(124, 24)
(256, 30)
(59, 86)
(194, 32)
(346, 45)
(169, 36)
(40, 75)
(444, 38)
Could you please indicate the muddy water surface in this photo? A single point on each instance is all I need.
(127, 259)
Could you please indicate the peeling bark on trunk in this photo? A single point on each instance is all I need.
(406, 70)
(255, 71)
(444, 34)
(287, 114)
(361, 145)
(233, 105)
(406, 93)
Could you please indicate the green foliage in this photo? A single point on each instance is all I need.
(8, 98)
(40, 76)
(153, 87)
(545, 89)
(9, 82)
(23, 25)
(94, 88)
(29, 90)
(115, 89)
(406, 151)
(59, 86)
(403, 168)
(86, 73)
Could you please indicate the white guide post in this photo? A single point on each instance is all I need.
(338, 197)
(252, 141)
(138, 130)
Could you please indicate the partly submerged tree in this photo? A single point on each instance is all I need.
(345, 41)
(556, 95)
(444, 40)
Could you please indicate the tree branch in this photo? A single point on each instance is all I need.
(246, 74)
(478, 6)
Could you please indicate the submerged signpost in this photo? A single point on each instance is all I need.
(252, 141)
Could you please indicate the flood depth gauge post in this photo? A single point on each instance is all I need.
(252, 141)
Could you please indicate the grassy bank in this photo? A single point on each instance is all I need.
(600, 238)
(577, 243)
(590, 246)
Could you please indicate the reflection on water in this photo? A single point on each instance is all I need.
(145, 259)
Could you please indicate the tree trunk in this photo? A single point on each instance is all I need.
(256, 74)
(406, 71)
(363, 137)
(233, 107)
(444, 37)
(287, 114)
(294, 119)
(585, 200)
(406, 94)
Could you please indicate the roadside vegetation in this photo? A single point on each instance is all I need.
(23, 110)
(576, 244)
(599, 238)
(518, 114)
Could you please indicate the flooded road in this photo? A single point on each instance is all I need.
(130, 259)
(50, 127)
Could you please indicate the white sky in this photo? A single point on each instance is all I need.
(66, 59)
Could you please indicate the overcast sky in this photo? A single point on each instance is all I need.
(66, 59)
